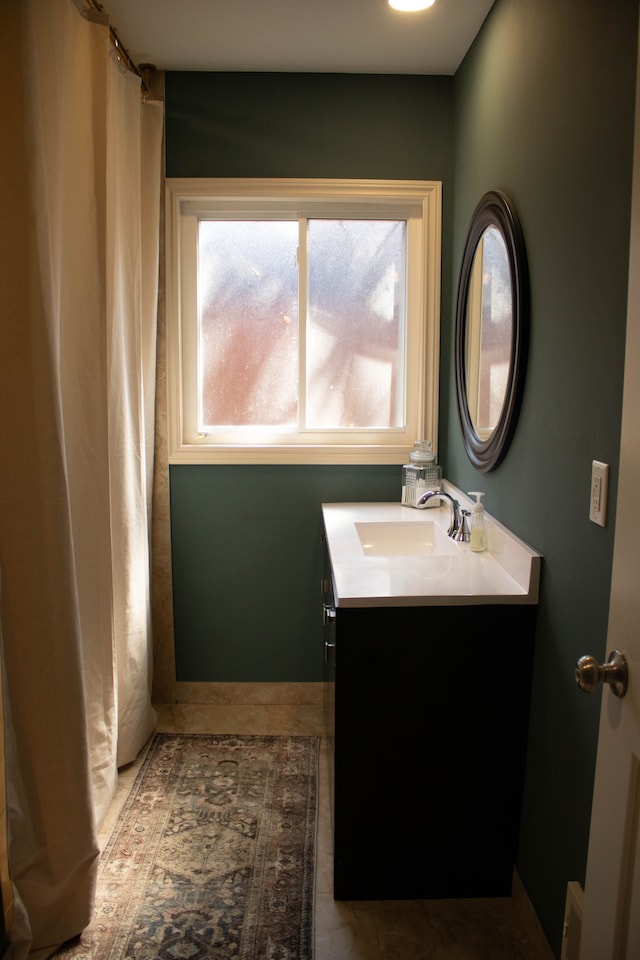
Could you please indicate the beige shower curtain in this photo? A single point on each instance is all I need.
(80, 182)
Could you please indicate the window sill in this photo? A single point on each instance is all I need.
(206, 453)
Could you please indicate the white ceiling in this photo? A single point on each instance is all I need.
(315, 36)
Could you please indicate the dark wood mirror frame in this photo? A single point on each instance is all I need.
(493, 210)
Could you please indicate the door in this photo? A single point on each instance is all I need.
(611, 922)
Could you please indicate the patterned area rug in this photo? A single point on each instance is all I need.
(212, 856)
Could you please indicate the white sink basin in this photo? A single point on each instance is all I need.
(400, 539)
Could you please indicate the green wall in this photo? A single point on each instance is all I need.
(310, 125)
(248, 561)
(542, 108)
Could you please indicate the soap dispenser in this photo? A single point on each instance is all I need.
(421, 474)
(478, 534)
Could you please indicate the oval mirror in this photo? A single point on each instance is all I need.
(491, 330)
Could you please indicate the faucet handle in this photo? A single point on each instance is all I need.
(463, 534)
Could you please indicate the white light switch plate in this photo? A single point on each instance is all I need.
(599, 487)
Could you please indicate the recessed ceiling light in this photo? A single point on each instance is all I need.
(410, 6)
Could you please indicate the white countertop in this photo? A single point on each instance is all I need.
(507, 572)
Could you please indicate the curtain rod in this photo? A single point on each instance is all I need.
(141, 71)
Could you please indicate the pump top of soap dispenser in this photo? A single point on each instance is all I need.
(478, 536)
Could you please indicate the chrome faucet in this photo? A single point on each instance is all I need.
(456, 519)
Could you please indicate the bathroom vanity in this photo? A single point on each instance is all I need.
(428, 652)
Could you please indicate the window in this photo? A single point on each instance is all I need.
(302, 319)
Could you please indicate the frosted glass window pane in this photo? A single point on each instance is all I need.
(355, 323)
(248, 323)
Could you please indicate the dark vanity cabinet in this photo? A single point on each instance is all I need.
(427, 710)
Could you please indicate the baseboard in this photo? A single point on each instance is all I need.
(250, 693)
(529, 917)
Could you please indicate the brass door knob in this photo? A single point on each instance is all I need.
(590, 674)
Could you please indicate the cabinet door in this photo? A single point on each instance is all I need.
(429, 749)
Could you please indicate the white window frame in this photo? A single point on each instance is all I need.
(420, 201)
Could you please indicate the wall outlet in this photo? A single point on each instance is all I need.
(599, 488)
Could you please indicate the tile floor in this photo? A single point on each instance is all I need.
(497, 929)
